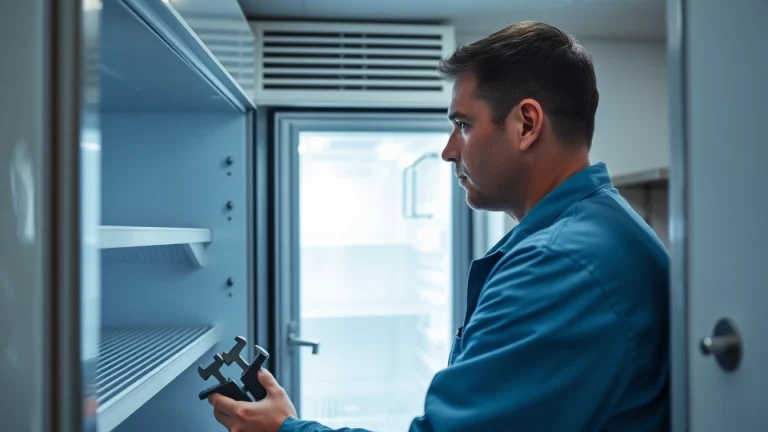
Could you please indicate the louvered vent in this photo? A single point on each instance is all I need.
(350, 64)
(231, 42)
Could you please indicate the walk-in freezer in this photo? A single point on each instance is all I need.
(147, 234)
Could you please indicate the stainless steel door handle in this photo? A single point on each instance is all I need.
(724, 344)
(294, 339)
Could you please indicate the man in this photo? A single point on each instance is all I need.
(566, 321)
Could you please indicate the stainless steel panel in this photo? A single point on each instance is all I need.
(24, 237)
(725, 82)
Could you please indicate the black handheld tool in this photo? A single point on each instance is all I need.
(226, 386)
(249, 377)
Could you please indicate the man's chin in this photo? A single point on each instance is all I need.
(474, 200)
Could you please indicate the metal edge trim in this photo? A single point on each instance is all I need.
(250, 230)
(678, 205)
(69, 381)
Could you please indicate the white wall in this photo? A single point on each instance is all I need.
(631, 130)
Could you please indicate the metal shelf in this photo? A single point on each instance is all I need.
(137, 363)
(150, 243)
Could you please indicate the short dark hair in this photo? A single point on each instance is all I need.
(532, 60)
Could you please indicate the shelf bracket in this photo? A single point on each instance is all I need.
(196, 253)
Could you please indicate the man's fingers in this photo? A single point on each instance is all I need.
(267, 380)
(224, 404)
(224, 419)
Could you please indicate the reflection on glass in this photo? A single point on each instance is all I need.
(375, 264)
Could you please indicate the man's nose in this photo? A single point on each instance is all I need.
(450, 152)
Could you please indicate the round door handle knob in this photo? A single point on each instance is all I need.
(724, 344)
(719, 345)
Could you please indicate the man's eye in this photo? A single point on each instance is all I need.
(461, 125)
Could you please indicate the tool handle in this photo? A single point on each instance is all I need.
(250, 377)
(229, 389)
(252, 384)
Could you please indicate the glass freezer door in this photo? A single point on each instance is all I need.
(372, 309)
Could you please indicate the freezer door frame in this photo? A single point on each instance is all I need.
(287, 126)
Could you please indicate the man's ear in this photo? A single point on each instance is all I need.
(530, 116)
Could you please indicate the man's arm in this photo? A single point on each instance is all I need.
(543, 351)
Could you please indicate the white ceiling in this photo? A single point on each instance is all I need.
(634, 19)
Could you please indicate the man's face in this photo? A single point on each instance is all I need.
(485, 158)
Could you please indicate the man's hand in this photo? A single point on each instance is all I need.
(266, 415)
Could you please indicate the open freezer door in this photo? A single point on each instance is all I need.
(49, 179)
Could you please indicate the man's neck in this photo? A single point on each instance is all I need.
(547, 178)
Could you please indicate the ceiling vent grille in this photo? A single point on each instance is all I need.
(301, 63)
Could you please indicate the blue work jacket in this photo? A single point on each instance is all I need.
(566, 326)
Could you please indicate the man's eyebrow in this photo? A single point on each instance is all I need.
(457, 115)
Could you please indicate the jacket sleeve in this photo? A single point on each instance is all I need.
(544, 350)
(296, 425)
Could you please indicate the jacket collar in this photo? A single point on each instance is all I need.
(575, 188)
